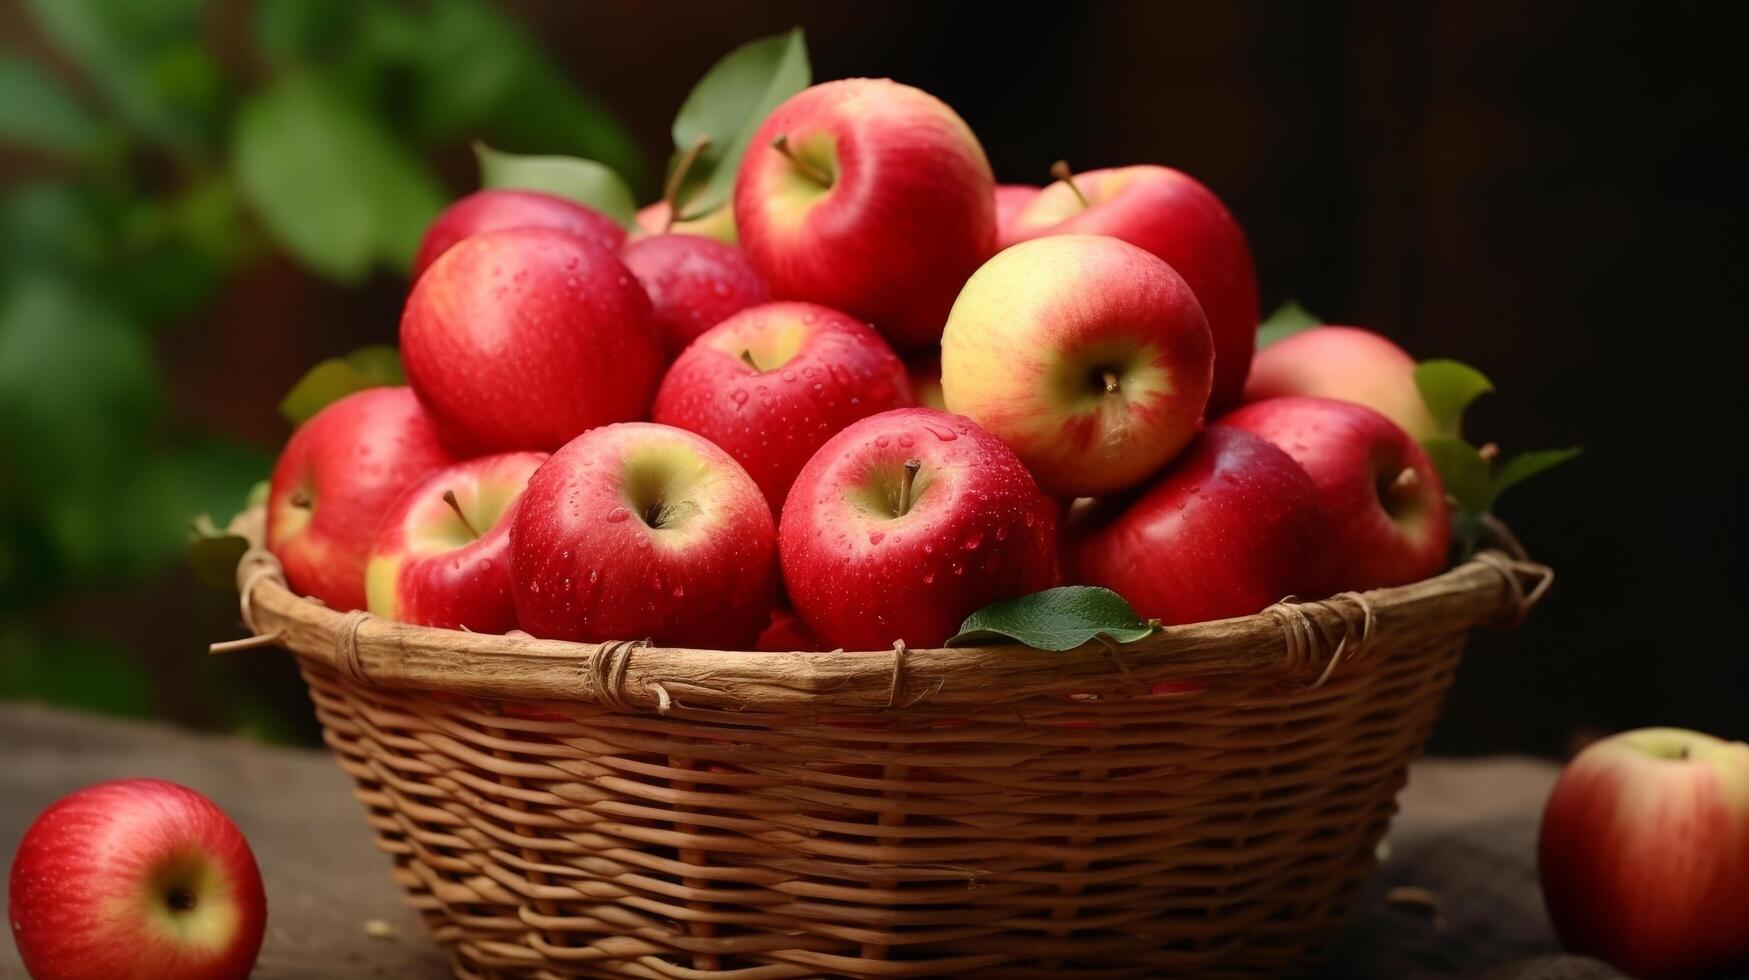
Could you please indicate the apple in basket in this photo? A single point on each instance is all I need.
(1178, 219)
(1644, 853)
(336, 478)
(1087, 355)
(870, 197)
(642, 530)
(773, 382)
(1346, 363)
(907, 522)
(521, 339)
(1384, 500)
(442, 557)
(136, 878)
(1232, 526)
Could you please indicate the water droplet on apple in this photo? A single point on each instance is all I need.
(958, 569)
(876, 537)
(738, 396)
(974, 540)
(941, 432)
(618, 514)
(882, 441)
(928, 578)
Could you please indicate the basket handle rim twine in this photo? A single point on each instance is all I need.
(1291, 639)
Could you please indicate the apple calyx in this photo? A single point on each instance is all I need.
(808, 170)
(912, 465)
(1060, 170)
(180, 899)
(300, 498)
(455, 505)
(747, 358)
(677, 178)
(1406, 480)
(1110, 379)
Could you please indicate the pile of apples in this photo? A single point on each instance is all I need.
(895, 394)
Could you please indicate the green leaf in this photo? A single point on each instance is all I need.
(1448, 387)
(146, 61)
(1463, 471)
(1528, 464)
(36, 111)
(329, 182)
(728, 104)
(259, 491)
(1288, 319)
(584, 181)
(1055, 619)
(213, 552)
(291, 30)
(337, 377)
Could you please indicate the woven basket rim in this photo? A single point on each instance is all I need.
(1291, 640)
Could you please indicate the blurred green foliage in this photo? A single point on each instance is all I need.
(168, 170)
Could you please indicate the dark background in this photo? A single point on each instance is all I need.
(1552, 192)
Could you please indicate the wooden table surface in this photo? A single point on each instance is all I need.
(1466, 835)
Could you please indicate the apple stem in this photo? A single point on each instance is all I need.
(911, 467)
(1489, 452)
(677, 177)
(300, 498)
(810, 171)
(455, 505)
(1682, 754)
(1406, 480)
(1061, 171)
(747, 358)
(1110, 379)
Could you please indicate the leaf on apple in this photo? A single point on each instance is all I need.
(1062, 618)
(213, 552)
(333, 379)
(725, 108)
(1448, 387)
(1288, 319)
(587, 182)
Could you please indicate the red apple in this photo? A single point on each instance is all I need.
(1345, 363)
(340, 473)
(641, 530)
(1233, 526)
(1644, 853)
(924, 369)
(905, 523)
(442, 557)
(1086, 354)
(496, 210)
(1380, 492)
(522, 339)
(785, 632)
(136, 879)
(693, 283)
(1173, 216)
(772, 383)
(719, 224)
(871, 197)
(1011, 200)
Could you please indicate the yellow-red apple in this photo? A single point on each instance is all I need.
(1087, 355)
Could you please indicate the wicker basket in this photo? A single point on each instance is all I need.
(1206, 802)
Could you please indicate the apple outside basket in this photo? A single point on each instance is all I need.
(1205, 802)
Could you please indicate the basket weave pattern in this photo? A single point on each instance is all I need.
(1206, 802)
